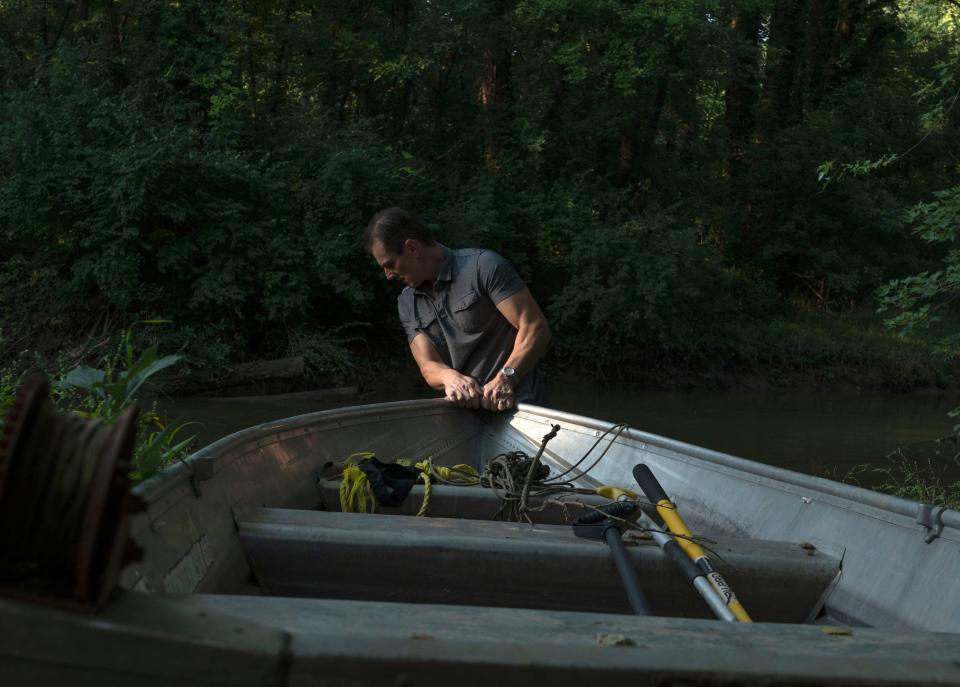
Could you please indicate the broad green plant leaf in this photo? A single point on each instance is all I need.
(147, 366)
(84, 378)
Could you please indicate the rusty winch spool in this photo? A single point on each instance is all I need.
(64, 501)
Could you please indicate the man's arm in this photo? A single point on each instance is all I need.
(461, 389)
(533, 337)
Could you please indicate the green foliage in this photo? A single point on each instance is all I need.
(646, 284)
(158, 445)
(325, 353)
(924, 481)
(113, 389)
(104, 393)
(921, 299)
(930, 478)
(650, 168)
(826, 174)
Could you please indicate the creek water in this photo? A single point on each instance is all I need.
(819, 433)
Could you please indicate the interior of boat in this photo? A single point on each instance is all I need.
(266, 520)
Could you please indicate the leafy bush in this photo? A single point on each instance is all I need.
(647, 284)
(325, 353)
(218, 160)
(103, 394)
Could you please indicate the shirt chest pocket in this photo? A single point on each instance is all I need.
(471, 312)
(427, 323)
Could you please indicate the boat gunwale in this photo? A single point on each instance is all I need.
(161, 484)
(182, 471)
(867, 497)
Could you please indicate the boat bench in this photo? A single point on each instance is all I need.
(476, 503)
(378, 557)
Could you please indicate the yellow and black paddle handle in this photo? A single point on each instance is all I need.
(667, 510)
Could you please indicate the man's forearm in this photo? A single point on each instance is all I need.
(435, 374)
(530, 345)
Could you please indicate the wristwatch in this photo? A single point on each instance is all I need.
(511, 375)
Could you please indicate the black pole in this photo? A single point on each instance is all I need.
(638, 600)
(601, 525)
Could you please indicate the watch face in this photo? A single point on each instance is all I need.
(509, 371)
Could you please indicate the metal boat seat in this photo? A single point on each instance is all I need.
(312, 553)
(475, 503)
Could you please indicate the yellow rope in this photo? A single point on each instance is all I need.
(458, 474)
(422, 466)
(356, 494)
(359, 457)
(426, 494)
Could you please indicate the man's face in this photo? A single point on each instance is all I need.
(404, 266)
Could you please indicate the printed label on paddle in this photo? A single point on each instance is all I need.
(721, 586)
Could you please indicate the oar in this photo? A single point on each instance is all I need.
(668, 511)
(599, 525)
(690, 570)
(671, 549)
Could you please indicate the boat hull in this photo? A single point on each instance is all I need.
(194, 612)
(894, 575)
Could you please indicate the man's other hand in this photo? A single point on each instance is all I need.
(463, 391)
(498, 394)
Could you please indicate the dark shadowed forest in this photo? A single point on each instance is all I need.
(695, 191)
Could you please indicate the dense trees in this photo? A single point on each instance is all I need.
(651, 167)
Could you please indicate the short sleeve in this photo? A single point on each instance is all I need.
(407, 317)
(497, 277)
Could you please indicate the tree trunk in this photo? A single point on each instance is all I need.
(637, 141)
(740, 96)
(115, 37)
(821, 23)
(401, 29)
(63, 25)
(280, 75)
(495, 90)
(249, 64)
(783, 63)
(851, 12)
(441, 82)
(494, 97)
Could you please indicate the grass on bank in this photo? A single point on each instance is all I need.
(926, 471)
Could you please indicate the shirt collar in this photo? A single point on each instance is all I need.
(446, 265)
(445, 274)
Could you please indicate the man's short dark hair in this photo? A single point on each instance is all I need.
(393, 226)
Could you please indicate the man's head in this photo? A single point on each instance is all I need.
(403, 246)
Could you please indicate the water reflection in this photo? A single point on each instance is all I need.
(803, 431)
(797, 430)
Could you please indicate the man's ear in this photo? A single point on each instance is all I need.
(411, 246)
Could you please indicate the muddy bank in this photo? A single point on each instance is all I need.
(400, 376)
(724, 375)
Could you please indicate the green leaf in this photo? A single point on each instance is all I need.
(148, 365)
(84, 378)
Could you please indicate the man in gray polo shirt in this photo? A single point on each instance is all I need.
(473, 326)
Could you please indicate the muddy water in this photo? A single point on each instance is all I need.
(809, 432)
